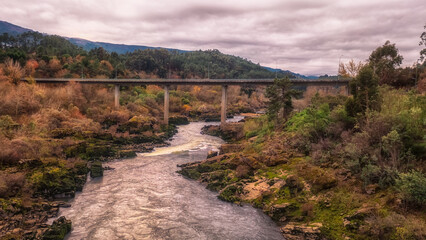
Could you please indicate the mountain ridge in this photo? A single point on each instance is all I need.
(12, 29)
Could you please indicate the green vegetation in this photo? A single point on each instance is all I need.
(341, 167)
(280, 95)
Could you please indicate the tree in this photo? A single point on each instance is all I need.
(423, 43)
(280, 95)
(384, 60)
(350, 69)
(364, 89)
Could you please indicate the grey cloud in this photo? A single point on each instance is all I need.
(307, 36)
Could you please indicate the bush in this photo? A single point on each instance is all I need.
(311, 121)
(385, 177)
(11, 184)
(412, 186)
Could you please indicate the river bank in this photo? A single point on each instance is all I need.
(320, 176)
(55, 180)
(144, 198)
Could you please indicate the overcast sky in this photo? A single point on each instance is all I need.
(304, 36)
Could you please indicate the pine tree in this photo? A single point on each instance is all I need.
(280, 95)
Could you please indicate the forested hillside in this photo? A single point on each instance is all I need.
(56, 56)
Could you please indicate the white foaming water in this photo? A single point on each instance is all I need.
(144, 198)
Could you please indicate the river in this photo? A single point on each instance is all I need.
(144, 198)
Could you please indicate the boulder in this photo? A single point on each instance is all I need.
(59, 228)
(178, 120)
(371, 189)
(354, 221)
(232, 131)
(230, 148)
(293, 231)
(96, 169)
(278, 211)
(211, 154)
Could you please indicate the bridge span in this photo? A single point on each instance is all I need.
(323, 82)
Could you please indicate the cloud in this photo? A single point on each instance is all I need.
(305, 36)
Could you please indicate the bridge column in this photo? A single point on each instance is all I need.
(224, 102)
(117, 96)
(166, 105)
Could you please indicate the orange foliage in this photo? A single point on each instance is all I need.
(75, 112)
(107, 65)
(30, 67)
(152, 89)
(54, 66)
(196, 90)
(13, 71)
(186, 108)
(350, 69)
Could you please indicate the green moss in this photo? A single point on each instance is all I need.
(127, 154)
(341, 204)
(58, 230)
(190, 173)
(229, 194)
(54, 179)
(96, 170)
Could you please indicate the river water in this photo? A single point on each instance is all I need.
(144, 198)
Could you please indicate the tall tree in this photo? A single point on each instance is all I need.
(280, 95)
(423, 43)
(384, 60)
(350, 69)
(364, 89)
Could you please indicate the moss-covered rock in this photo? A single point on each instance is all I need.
(96, 170)
(229, 194)
(178, 120)
(58, 230)
(190, 173)
(127, 154)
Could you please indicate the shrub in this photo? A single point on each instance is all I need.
(11, 184)
(13, 71)
(243, 171)
(311, 121)
(307, 210)
(391, 144)
(412, 186)
(385, 177)
(320, 179)
(395, 226)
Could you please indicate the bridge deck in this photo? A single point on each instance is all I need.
(296, 82)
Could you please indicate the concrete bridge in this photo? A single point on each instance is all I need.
(323, 82)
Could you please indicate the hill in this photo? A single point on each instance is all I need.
(111, 47)
(230, 66)
(12, 29)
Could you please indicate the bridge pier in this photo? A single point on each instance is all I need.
(166, 104)
(224, 103)
(117, 96)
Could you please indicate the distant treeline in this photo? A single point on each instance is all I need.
(55, 56)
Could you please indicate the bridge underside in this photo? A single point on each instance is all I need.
(297, 83)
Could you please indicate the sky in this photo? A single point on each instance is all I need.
(309, 37)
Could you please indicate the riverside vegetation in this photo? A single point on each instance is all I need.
(52, 136)
(340, 167)
(326, 175)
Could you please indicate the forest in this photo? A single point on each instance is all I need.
(55, 56)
